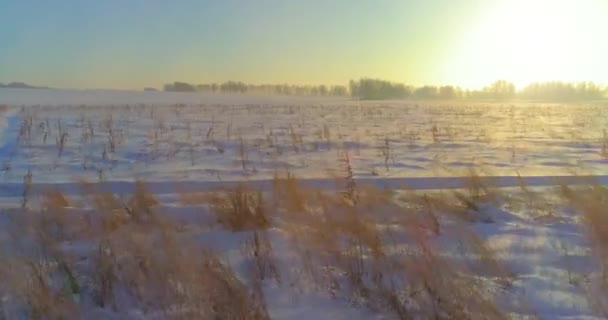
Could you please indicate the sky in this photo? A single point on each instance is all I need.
(131, 44)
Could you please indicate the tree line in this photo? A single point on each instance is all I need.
(378, 89)
(241, 87)
(374, 89)
(20, 85)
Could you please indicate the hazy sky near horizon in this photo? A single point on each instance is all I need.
(133, 44)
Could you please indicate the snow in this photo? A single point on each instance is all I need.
(211, 140)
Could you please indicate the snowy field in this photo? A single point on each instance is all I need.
(356, 210)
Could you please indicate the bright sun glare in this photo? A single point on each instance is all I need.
(531, 40)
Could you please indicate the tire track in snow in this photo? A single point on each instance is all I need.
(10, 189)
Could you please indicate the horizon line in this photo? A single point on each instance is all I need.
(4, 84)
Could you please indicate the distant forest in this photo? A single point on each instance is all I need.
(377, 89)
(20, 85)
(367, 89)
(241, 87)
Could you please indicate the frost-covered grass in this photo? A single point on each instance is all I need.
(250, 208)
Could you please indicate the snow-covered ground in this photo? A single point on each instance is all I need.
(212, 137)
(193, 142)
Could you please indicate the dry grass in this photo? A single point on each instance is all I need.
(591, 202)
(380, 254)
(240, 208)
(409, 257)
(354, 243)
(136, 261)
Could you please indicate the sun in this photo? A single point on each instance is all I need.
(532, 40)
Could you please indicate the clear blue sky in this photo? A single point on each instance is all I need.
(137, 43)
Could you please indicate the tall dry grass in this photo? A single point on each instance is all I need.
(116, 257)
(590, 201)
(353, 243)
